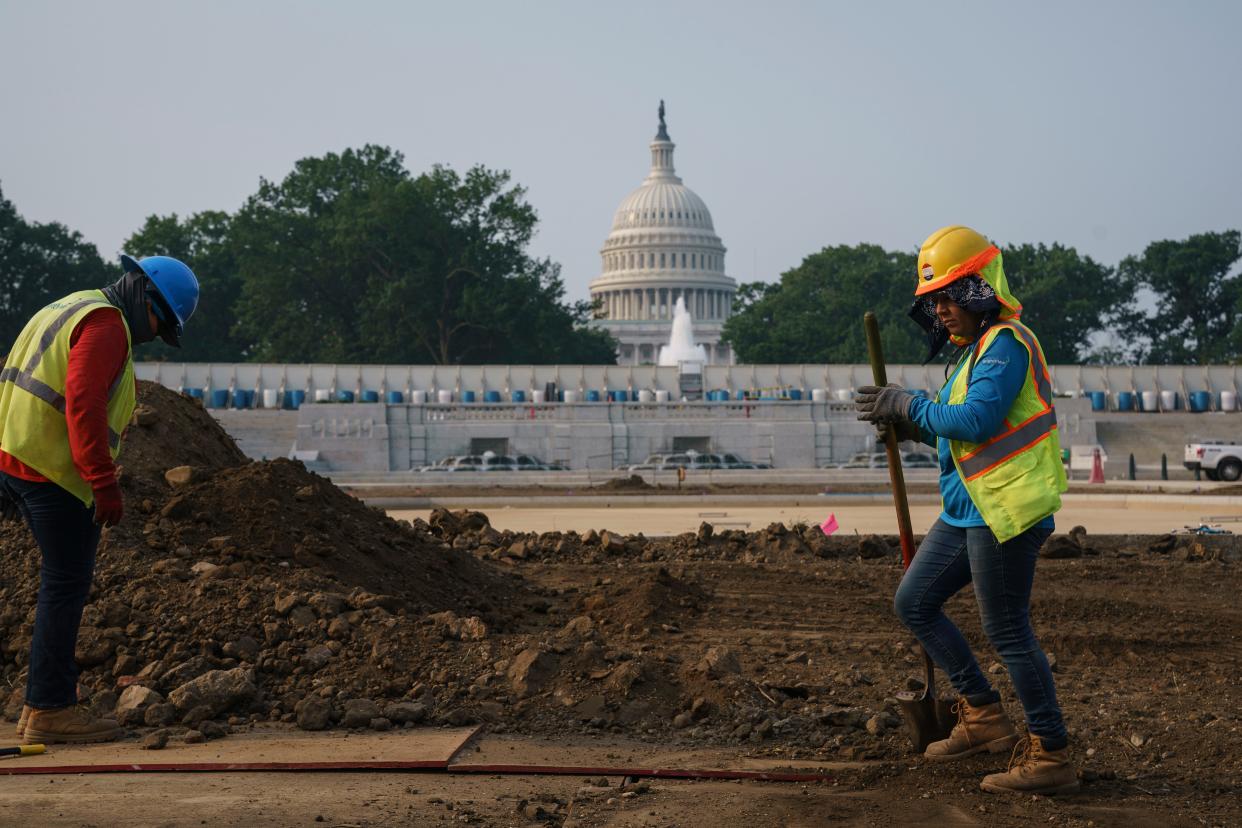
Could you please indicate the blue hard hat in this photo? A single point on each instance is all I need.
(174, 281)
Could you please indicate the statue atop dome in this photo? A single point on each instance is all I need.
(662, 133)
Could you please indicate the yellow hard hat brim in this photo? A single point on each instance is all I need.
(967, 268)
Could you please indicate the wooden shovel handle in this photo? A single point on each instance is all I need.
(895, 474)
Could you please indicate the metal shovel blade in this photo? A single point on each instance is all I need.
(927, 719)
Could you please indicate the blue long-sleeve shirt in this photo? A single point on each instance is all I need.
(995, 382)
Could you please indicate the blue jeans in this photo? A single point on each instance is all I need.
(67, 535)
(950, 558)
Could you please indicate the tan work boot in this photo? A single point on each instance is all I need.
(68, 724)
(1034, 770)
(978, 729)
(21, 720)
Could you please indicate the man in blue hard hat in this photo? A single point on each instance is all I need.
(67, 392)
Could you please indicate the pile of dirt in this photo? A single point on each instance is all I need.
(233, 565)
(633, 483)
(169, 430)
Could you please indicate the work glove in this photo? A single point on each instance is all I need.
(108, 504)
(889, 404)
(906, 430)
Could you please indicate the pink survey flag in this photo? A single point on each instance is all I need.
(830, 525)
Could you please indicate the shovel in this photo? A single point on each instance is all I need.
(929, 718)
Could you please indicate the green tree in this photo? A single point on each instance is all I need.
(1196, 316)
(1066, 298)
(38, 264)
(203, 242)
(814, 314)
(352, 259)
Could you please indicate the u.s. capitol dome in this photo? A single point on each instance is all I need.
(662, 246)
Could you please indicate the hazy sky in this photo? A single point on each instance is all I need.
(1102, 125)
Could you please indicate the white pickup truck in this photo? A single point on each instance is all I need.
(1216, 459)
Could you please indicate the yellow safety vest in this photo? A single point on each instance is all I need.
(1015, 478)
(33, 428)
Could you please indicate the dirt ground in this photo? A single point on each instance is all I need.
(1147, 655)
(259, 595)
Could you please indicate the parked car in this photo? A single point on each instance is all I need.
(498, 462)
(732, 461)
(491, 462)
(687, 460)
(879, 460)
(1216, 459)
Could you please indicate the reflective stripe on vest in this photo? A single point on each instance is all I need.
(25, 379)
(1025, 434)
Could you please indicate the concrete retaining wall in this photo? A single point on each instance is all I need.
(790, 435)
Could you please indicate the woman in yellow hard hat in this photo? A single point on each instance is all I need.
(1001, 480)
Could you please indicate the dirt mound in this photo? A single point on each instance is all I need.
(652, 597)
(264, 567)
(633, 483)
(169, 430)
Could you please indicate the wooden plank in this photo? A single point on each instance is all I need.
(262, 749)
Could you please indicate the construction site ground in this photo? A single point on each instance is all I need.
(708, 645)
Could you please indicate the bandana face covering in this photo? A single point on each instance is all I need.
(129, 293)
(969, 292)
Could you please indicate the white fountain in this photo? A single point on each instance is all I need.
(681, 347)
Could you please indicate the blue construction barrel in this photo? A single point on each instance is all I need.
(620, 395)
(294, 399)
(220, 398)
(344, 396)
(395, 398)
(242, 399)
(1099, 400)
(1125, 400)
(370, 396)
(196, 393)
(491, 396)
(518, 395)
(467, 396)
(795, 393)
(1200, 400)
(592, 395)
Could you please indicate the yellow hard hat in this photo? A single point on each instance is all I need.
(947, 255)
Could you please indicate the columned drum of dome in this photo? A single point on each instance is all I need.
(662, 247)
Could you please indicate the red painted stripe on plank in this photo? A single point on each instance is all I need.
(662, 773)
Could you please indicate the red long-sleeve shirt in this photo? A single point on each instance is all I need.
(98, 349)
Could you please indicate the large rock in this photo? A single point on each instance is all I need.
(245, 648)
(402, 712)
(611, 543)
(219, 690)
(359, 713)
(131, 708)
(579, 627)
(450, 625)
(316, 658)
(327, 604)
(181, 476)
(720, 661)
(530, 670)
(313, 713)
